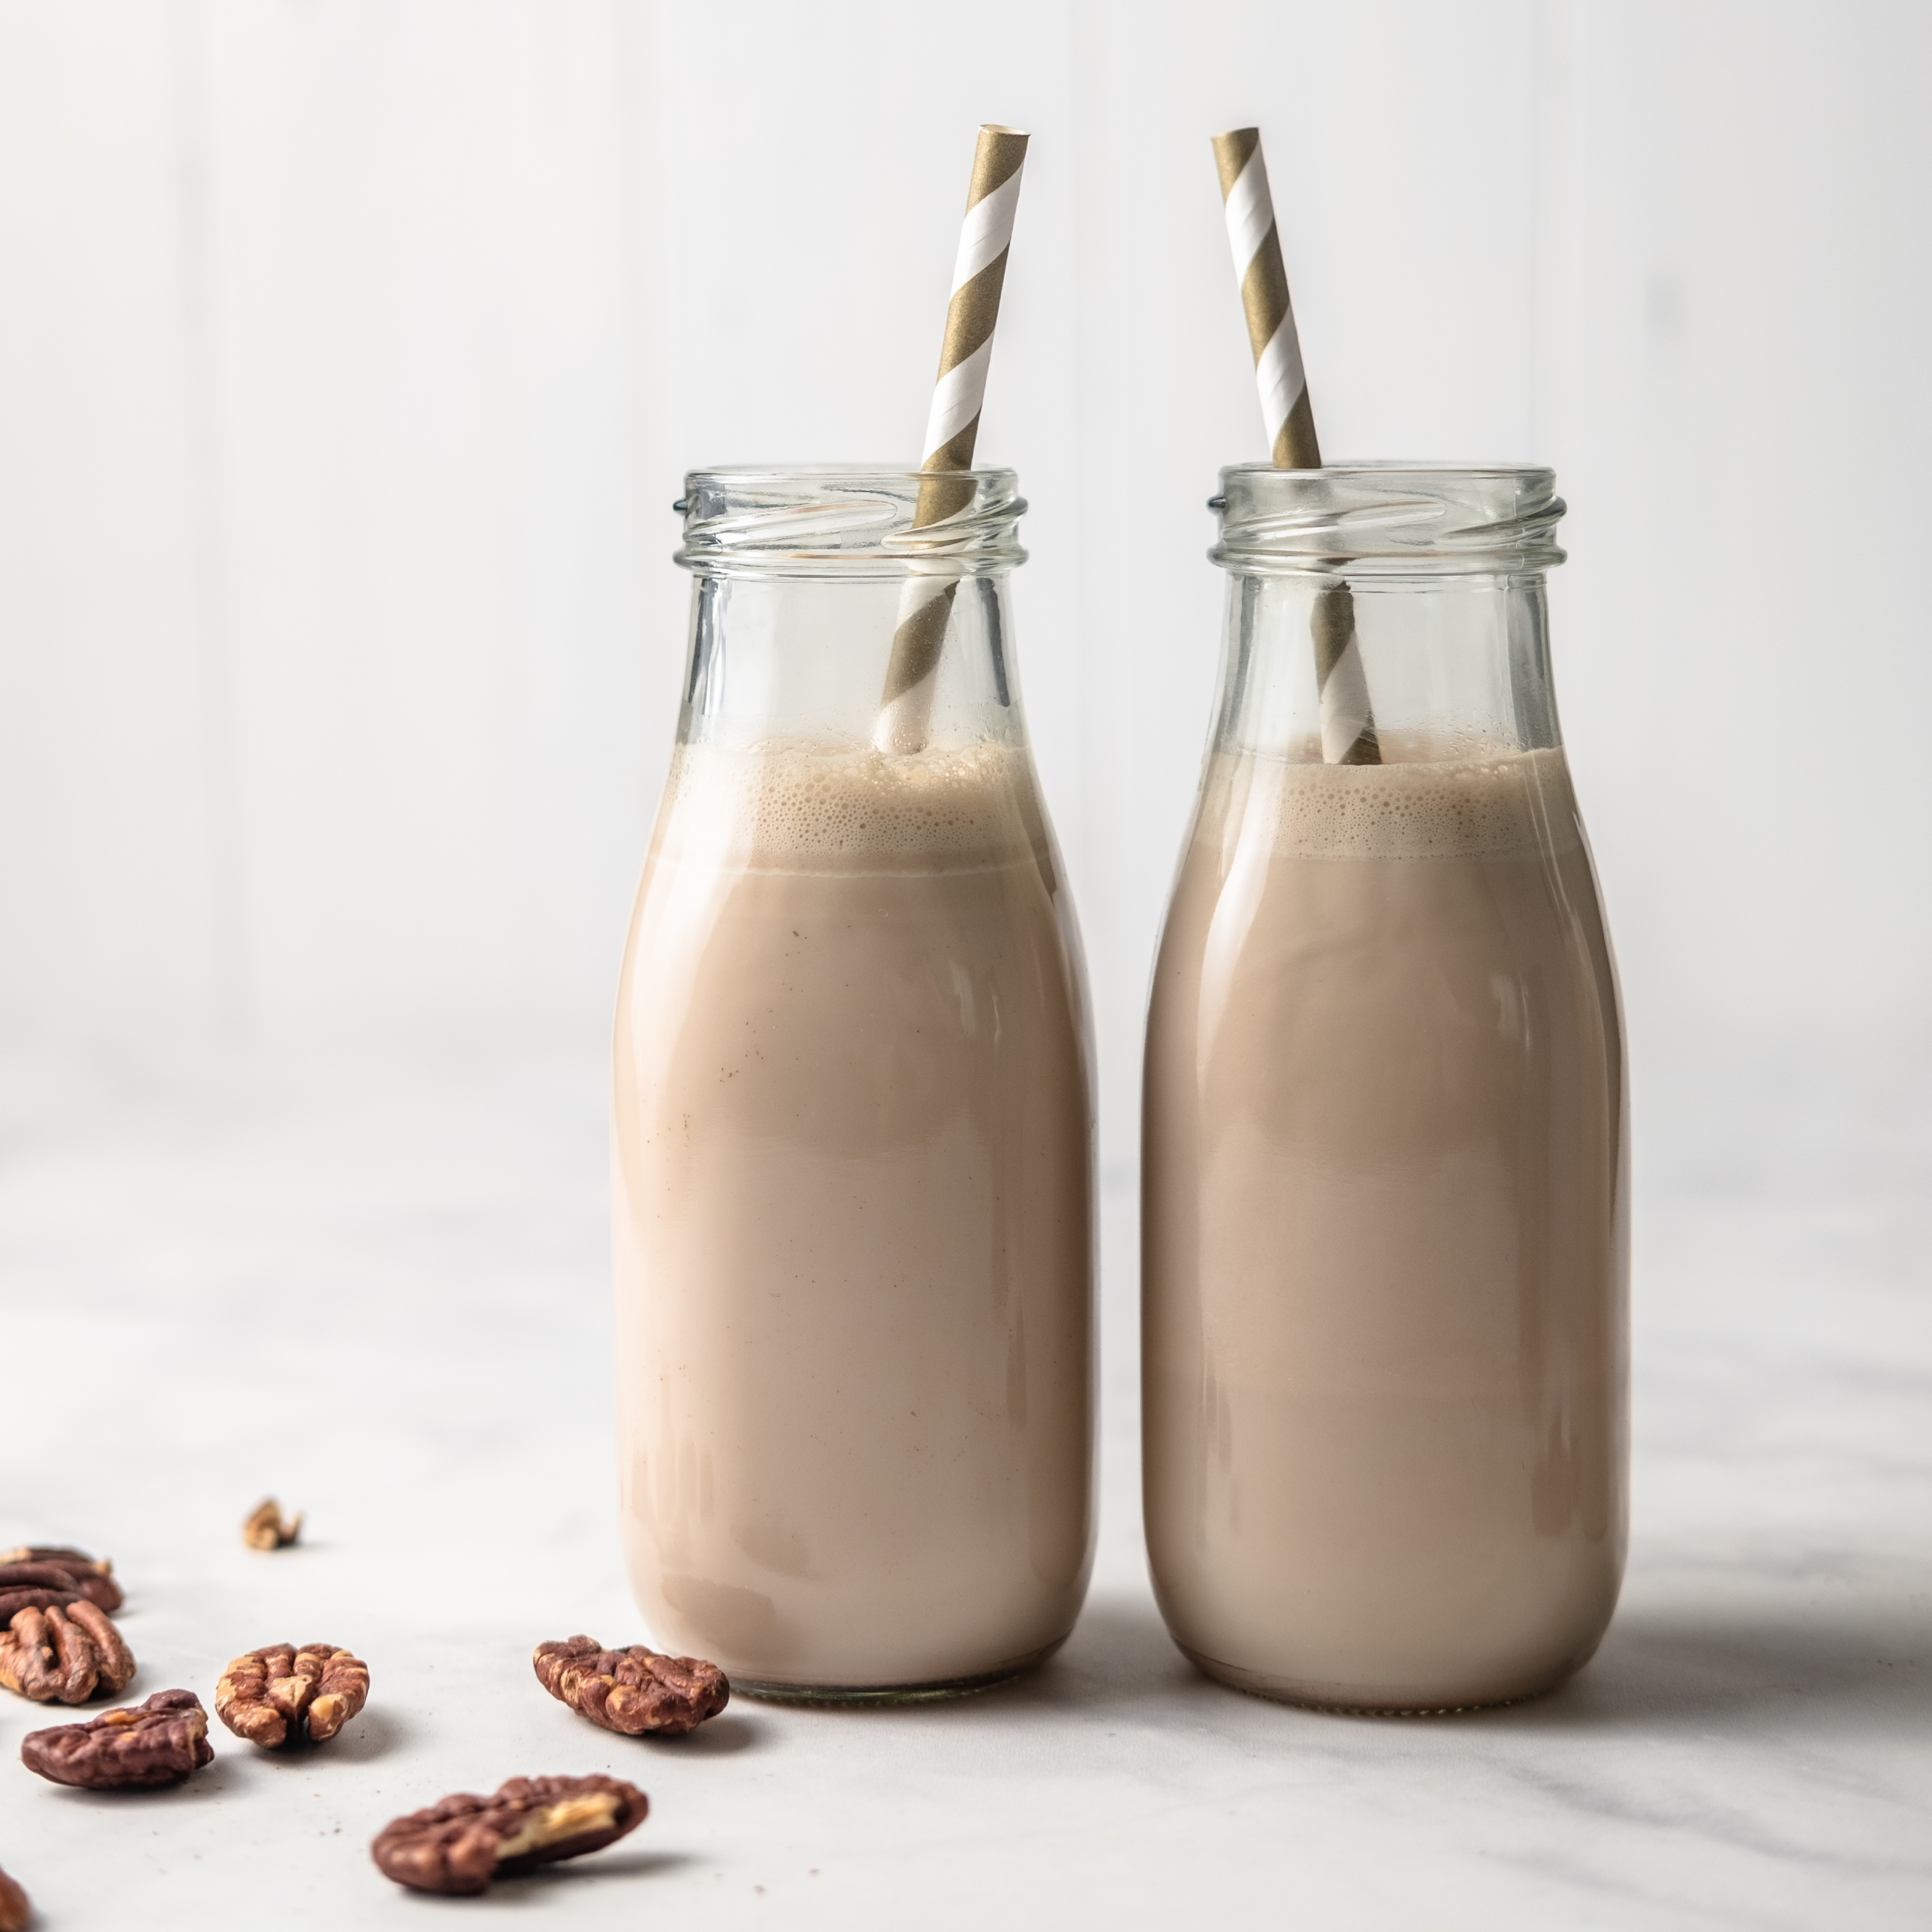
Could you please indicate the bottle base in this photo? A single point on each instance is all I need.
(1352, 1701)
(774, 1690)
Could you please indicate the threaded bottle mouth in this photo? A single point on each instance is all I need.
(1388, 520)
(834, 521)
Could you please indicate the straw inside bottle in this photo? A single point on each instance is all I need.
(953, 430)
(1348, 718)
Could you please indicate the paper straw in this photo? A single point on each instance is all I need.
(1348, 719)
(951, 430)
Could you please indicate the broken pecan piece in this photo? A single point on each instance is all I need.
(267, 1528)
(632, 1691)
(461, 1844)
(160, 1742)
(16, 1914)
(94, 1580)
(280, 1695)
(64, 1656)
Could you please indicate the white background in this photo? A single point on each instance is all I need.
(350, 356)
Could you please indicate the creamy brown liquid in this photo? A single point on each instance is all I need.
(853, 1176)
(1385, 1236)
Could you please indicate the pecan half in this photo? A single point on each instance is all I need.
(159, 1742)
(35, 1596)
(267, 1528)
(16, 1914)
(95, 1579)
(632, 1691)
(461, 1844)
(280, 1695)
(64, 1656)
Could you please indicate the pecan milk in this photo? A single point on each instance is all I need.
(852, 1209)
(1384, 1234)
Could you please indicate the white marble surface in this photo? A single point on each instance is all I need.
(381, 1295)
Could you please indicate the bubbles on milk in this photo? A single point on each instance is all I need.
(1512, 803)
(782, 805)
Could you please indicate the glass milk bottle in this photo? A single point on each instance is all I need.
(1386, 1176)
(852, 1126)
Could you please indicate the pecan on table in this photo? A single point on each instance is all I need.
(16, 1914)
(160, 1742)
(282, 1695)
(64, 1656)
(632, 1691)
(36, 1586)
(268, 1529)
(461, 1844)
(95, 1579)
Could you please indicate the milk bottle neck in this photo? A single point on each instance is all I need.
(806, 583)
(1379, 613)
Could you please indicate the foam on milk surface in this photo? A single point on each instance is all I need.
(1512, 803)
(780, 804)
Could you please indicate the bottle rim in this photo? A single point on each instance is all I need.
(846, 519)
(1389, 520)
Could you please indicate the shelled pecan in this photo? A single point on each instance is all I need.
(44, 1593)
(461, 1844)
(268, 1529)
(160, 1742)
(282, 1695)
(64, 1655)
(94, 1578)
(633, 1691)
(16, 1914)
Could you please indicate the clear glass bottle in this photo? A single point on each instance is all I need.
(852, 1117)
(1386, 1174)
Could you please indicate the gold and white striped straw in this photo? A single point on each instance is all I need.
(1348, 719)
(953, 429)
